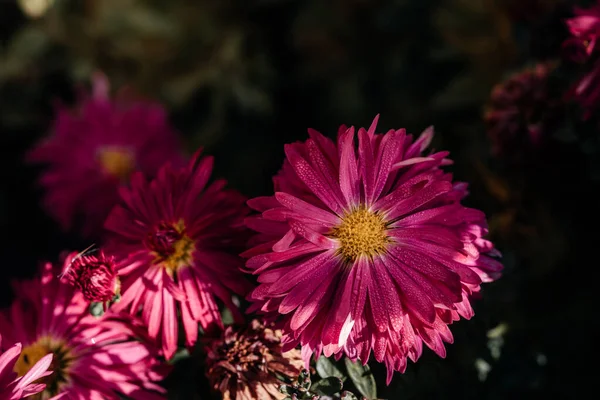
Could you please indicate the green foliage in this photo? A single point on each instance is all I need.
(362, 377)
(304, 389)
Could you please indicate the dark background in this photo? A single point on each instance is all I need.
(241, 78)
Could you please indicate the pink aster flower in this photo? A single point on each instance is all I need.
(177, 236)
(93, 358)
(14, 387)
(94, 149)
(367, 248)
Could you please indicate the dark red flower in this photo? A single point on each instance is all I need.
(521, 109)
(94, 275)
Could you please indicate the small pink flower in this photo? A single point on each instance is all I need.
(14, 387)
(94, 149)
(367, 248)
(94, 275)
(179, 237)
(92, 358)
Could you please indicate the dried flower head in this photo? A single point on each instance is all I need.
(521, 109)
(244, 363)
(583, 47)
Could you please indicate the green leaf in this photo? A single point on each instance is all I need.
(362, 378)
(179, 355)
(227, 316)
(327, 386)
(326, 368)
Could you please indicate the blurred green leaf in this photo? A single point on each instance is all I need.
(96, 309)
(26, 47)
(362, 378)
(326, 368)
(179, 355)
(328, 386)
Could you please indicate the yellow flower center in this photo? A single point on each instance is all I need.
(361, 233)
(34, 352)
(116, 161)
(30, 355)
(171, 246)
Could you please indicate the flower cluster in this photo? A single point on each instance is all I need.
(364, 248)
(50, 324)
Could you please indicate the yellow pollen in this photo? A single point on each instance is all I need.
(179, 252)
(116, 161)
(30, 355)
(361, 233)
(61, 360)
(182, 256)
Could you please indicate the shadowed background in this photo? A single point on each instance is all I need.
(242, 78)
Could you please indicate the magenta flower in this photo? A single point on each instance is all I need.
(96, 148)
(367, 249)
(175, 236)
(14, 387)
(94, 275)
(585, 31)
(93, 358)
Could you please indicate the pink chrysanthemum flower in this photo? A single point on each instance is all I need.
(176, 235)
(93, 358)
(94, 275)
(96, 148)
(14, 387)
(367, 249)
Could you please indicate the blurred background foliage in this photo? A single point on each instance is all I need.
(243, 77)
